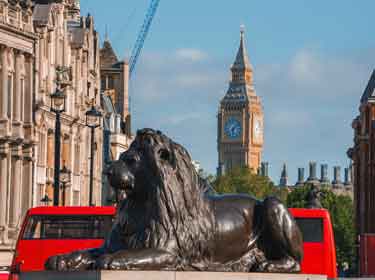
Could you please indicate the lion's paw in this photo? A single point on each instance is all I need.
(108, 262)
(57, 263)
(76, 261)
(118, 265)
(104, 262)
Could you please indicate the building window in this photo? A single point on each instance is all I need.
(111, 83)
(103, 83)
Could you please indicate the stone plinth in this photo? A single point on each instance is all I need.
(166, 275)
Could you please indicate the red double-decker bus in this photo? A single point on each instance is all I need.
(48, 231)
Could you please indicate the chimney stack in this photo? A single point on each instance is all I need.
(301, 177)
(264, 169)
(324, 174)
(337, 183)
(312, 177)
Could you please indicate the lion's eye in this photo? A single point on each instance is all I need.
(164, 154)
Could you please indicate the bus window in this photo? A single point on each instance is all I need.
(67, 227)
(311, 228)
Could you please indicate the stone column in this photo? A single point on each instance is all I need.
(4, 84)
(17, 99)
(28, 91)
(27, 184)
(16, 187)
(3, 193)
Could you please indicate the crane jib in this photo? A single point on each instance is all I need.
(137, 49)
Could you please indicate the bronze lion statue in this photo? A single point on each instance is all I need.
(171, 219)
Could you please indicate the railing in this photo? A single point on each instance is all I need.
(19, 19)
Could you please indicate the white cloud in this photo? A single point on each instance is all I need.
(162, 76)
(192, 55)
(305, 67)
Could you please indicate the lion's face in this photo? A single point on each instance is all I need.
(137, 171)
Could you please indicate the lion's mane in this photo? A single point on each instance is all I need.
(174, 215)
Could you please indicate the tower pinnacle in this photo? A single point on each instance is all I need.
(242, 59)
(106, 38)
(242, 30)
(284, 176)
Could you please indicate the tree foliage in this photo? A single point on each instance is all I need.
(243, 180)
(342, 215)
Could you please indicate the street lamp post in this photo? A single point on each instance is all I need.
(93, 118)
(58, 99)
(65, 180)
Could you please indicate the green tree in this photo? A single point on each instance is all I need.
(243, 180)
(342, 215)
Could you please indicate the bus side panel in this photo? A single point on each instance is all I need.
(43, 249)
(313, 260)
(330, 251)
(28, 254)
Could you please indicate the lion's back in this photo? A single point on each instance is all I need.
(234, 223)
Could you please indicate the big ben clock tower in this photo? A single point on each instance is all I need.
(240, 118)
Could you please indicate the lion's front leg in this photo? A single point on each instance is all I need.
(138, 259)
(75, 261)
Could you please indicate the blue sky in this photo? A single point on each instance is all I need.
(311, 59)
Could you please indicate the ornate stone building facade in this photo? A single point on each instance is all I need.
(36, 37)
(66, 39)
(17, 48)
(240, 118)
(363, 156)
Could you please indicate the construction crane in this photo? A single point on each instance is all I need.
(137, 49)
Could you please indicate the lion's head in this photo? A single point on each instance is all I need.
(160, 181)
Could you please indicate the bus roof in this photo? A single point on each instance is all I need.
(309, 213)
(77, 210)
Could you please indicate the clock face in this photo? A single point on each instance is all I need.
(258, 129)
(232, 128)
